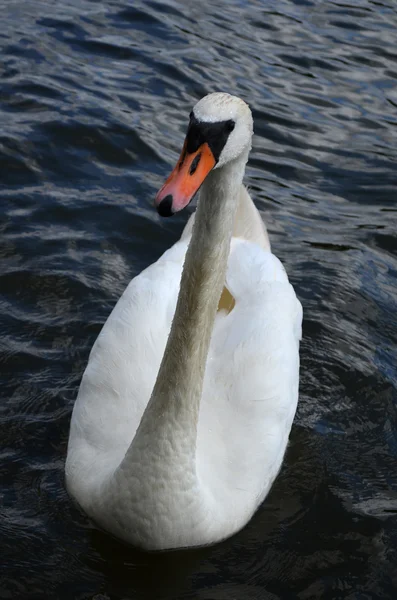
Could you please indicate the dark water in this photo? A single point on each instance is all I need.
(94, 102)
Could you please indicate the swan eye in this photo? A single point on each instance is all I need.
(191, 115)
(230, 125)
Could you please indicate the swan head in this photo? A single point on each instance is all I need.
(219, 131)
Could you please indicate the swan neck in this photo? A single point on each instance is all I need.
(174, 405)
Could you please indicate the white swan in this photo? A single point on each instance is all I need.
(176, 443)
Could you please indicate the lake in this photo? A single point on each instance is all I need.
(94, 104)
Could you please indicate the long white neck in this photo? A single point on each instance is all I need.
(171, 416)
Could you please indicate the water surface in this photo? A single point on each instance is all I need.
(94, 99)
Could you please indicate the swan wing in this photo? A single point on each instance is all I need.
(253, 369)
(122, 369)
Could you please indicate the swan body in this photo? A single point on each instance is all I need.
(184, 410)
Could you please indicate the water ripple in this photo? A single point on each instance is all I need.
(94, 99)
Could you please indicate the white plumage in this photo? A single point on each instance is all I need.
(192, 465)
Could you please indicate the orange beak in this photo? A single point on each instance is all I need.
(185, 180)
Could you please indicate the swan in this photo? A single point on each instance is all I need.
(184, 410)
